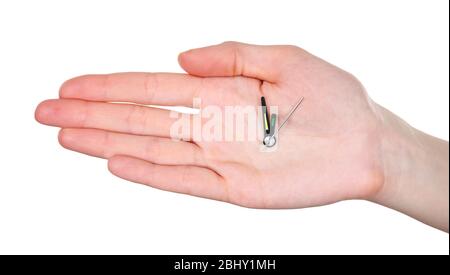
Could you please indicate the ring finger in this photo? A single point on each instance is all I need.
(105, 144)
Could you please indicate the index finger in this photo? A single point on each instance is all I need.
(168, 89)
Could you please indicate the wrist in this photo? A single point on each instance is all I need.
(415, 169)
(400, 150)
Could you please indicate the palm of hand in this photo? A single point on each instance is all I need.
(327, 152)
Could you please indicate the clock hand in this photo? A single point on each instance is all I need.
(291, 113)
(269, 126)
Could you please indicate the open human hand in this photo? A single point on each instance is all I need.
(330, 150)
(340, 145)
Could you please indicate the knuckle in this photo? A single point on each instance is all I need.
(107, 144)
(152, 148)
(150, 86)
(136, 120)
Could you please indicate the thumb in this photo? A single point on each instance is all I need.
(238, 59)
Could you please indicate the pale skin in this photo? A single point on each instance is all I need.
(339, 146)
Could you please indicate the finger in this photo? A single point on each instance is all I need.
(105, 144)
(192, 180)
(234, 59)
(126, 118)
(144, 88)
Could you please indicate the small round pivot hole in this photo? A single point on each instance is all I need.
(269, 141)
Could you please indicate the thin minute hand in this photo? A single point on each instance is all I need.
(291, 113)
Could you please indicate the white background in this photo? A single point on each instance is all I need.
(57, 201)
